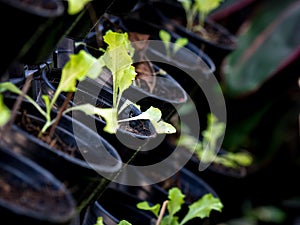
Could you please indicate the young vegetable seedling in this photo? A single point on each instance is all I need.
(118, 59)
(198, 209)
(198, 10)
(172, 48)
(100, 221)
(205, 150)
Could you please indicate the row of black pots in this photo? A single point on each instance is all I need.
(99, 156)
(30, 194)
(119, 201)
(128, 142)
(43, 24)
(83, 160)
(191, 68)
(170, 16)
(91, 186)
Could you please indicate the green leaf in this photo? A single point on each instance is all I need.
(4, 111)
(117, 59)
(77, 69)
(176, 199)
(179, 43)
(206, 6)
(202, 208)
(165, 36)
(124, 222)
(8, 86)
(154, 115)
(263, 47)
(75, 6)
(163, 127)
(116, 40)
(240, 158)
(99, 221)
(110, 116)
(145, 206)
(169, 220)
(125, 78)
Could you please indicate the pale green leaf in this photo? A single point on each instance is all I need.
(169, 220)
(176, 199)
(110, 116)
(99, 221)
(186, 4)
(145, 206)
(75, 6)
(165, 36)
(86, 108)
(76, 69)
(154, 115)
(179, 43)
(116, 40)
(96, 68)
(162, 127)
(4, 111)
(202, 208)
(117, 59)
(240, 158)
(206, 6)
(125, 78)
(8, 86)
(124, 222)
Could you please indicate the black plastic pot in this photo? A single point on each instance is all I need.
(130, 138)
(232, 15)
(190, 67)
(31, 195)
(190, 184)
(115, 205)
(164, 14)
(121, 8)
(150, 87)
(86, 162)
(22, 24)
(167, 94)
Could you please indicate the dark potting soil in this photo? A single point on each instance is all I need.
(47, 200)
(152, 82)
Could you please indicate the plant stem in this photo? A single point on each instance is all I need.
(60, 112)
(18, 103)
(162, 212)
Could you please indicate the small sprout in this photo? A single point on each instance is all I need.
(198, 209)
(205, 150)
(118, 59)
(198, 9)
(79, 67)
(172, 48)
(100, 221)
(75, 6)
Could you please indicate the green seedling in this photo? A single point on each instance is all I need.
(198, 10)
(205, 150)
(117, 58)
(172, 48)
(198, 209)
(79, 67)
(100, 221)
(75, 6)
